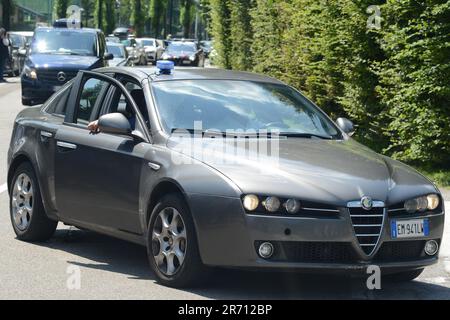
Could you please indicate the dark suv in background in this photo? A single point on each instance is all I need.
(56, 55)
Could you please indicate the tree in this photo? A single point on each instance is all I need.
(137, 17)
(89, 7)
(157, 12)
(220, 30)
(414, 80)
(241, 34)
(7, 6)
(268, 22)
(187, 12)
(110, 12)
(61, 8)
(99, 14)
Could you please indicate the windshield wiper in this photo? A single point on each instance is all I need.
(304, 135)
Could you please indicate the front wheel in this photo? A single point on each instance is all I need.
(172, 244)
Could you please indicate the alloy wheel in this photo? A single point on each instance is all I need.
(22, 201)
(169, 241)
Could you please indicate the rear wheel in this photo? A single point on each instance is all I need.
(172, 244)
(28, 216)
(404, 276)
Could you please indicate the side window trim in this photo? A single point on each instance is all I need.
(76, 94)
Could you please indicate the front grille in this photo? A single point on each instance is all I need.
(367, 225)
(342, 252)
(325, 252)
(51, 76)
(400, 251)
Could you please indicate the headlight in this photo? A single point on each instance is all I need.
(272, 204)
(192, 58)
(421, 204)
(251, 202)
(292, 206)
(433, 201)
(165, 56)
(30, 72)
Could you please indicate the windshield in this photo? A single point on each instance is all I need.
(17, 40)
(116, 51)
(181, 47)
(147, 43)
(233, 106)
(65, 42)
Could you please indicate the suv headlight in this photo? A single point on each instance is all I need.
(30, 72)
(421, 204)
(192, 58)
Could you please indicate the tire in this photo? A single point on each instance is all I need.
(404, 276)
(29, 220)
(191, 271)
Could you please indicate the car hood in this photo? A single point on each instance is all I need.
(325, 171)
(62, 61)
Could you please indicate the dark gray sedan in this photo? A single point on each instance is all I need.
(207, 167)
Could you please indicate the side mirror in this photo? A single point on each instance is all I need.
(346, 126)
(115, 123)
(108, 56)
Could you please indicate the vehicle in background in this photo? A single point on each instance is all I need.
(207, 47)
(27, 34)
(112, 39)
(152, 47)
(121, 33)
(12, 65)
(120, 54)
(184, 53)
(55, 57)
(135, 52)
(19, 48)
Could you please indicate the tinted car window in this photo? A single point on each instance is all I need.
(228, 105)
(88, 99)
(116, 51)
(56, 41)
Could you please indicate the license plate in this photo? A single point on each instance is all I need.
(409, 228)
(186, 62)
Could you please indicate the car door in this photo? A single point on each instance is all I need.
(97, 176)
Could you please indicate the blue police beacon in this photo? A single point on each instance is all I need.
(165, 67)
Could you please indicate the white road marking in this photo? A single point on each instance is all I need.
(3, 188)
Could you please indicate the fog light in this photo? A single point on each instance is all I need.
(266, 250)
(431, 247)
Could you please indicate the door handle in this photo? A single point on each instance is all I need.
(66, 145)
(46, 134)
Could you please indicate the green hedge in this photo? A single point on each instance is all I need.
(392, 81)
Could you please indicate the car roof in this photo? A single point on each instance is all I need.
(189, 73)
(80, 30)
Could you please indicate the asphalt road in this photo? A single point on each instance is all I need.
(114, 269)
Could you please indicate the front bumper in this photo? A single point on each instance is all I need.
(36, 90)
(229, 237)
(182, 61)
